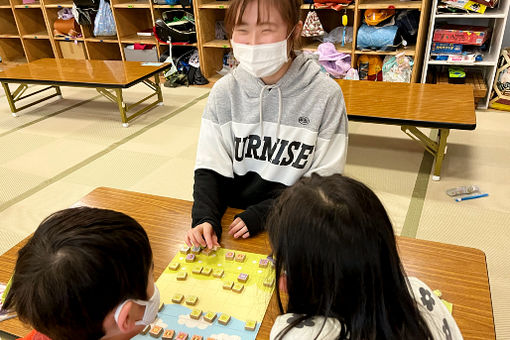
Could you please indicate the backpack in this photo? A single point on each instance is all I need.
(176, 26)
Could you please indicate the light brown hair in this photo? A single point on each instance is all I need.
(288, 9)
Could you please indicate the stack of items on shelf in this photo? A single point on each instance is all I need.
(185, 69)
(84, 11)
(312, 27)
(66, 25)
(458, 43)
(465, 6)
(176, 26)
(104, 23)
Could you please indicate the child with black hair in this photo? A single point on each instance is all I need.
(85, 274)
(336, 258)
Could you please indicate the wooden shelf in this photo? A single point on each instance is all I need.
(103, 51)
(382, 4)
(135, 39)
(313, 47)
(36, 5)
(37, 35)
(7, 23)
(167, 6)
(11, 50)
(103, 40)
(59, 4)
(409, 51)
(68, 39)
(473, 77)
(218, 44)
(489, 14)
(8, 36)
(38, 48)
(451, 63)
(133, 4)
(307, 7)
(215, 5)
(5, 6)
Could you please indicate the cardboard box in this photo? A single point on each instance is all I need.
(141, 55)
(458, 34)
(72, 50)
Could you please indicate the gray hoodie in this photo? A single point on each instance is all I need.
(257, 139)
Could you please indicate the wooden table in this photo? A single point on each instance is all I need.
(459, 272)
(413, 106)
(108, 77)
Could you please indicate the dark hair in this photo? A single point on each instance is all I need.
(288, 9)
(335, 241)
(78, 266)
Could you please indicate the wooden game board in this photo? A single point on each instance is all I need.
(248, 305)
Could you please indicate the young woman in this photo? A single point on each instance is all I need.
(336, 257)
(273, 120)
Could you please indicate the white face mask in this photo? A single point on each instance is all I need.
(262, 60)
(151, 308)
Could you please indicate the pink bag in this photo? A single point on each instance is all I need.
(28, 2)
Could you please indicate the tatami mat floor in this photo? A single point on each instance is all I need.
(56, 153)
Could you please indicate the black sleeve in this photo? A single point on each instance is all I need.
(209, 199)
(255, 216)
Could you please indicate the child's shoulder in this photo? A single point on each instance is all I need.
(307, 329)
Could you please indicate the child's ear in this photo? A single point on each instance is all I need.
(282, 283)
(298, 30)
(127, 317)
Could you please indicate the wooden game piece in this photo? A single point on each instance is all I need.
(161, 306)
(197, 270)
(224, 319)
(218, 273)
(156, 331)
(207, 271)
(174, 266)
(191, 300)
(263, 263)
(242, 277)
(250, 325)
(229, 256)
(168, 334)
(228, 285)
(182, 336)
(177, 298)
(207, 252)
(209, 317)
(240, 257)
(197, 337)
(196, 250)
(182, 276)
(269, 282)
(184, 250)
(238, 288)
(190, 258)
(145, 329)
(195, 314)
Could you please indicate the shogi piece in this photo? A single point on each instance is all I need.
(240, 257)
(224, 319)
(190, 258)
(197, 270)
(191, 300)
(207, 252)
(177, 298)
(156, 331)
(174, 266)
(182, 336)
(145, 330)
(209, 317)
(263, 263)
(227, 285)
(242, 277)
(182, 276)
(238, 288)
(207, 271)
(196, 249)
(218, 273)
(230, 255)
(250, 325)
(197, 337)
(269, 282)
(195, 314)
(184, 250)
(168, 334)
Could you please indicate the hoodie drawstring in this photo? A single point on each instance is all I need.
(280, 109)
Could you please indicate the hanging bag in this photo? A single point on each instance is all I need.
(312, 26)
(104, 24)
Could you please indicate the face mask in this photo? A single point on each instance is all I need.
(151, 308)
(261, 60)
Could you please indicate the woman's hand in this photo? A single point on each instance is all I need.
(238, 229)
(203, 234)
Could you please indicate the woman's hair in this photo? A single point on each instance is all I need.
(78, 266)
(288, 9)
(333, 238)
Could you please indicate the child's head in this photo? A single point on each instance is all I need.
(255, 22)
(78, 267)
(336, 256)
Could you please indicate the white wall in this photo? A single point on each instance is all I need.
(506, 38)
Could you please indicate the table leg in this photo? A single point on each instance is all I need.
(122, 107)
(160, 93)
(10, 99)
(440, 152)
(17, 96)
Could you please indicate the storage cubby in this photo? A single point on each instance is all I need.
(5, 4)
(8, 27)
(11, 50)
(31, 23)
(103, 51)
(134, 20)
(38, 48)
(131, 3)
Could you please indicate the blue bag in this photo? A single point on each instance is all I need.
(379, 38)
(104, 24)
